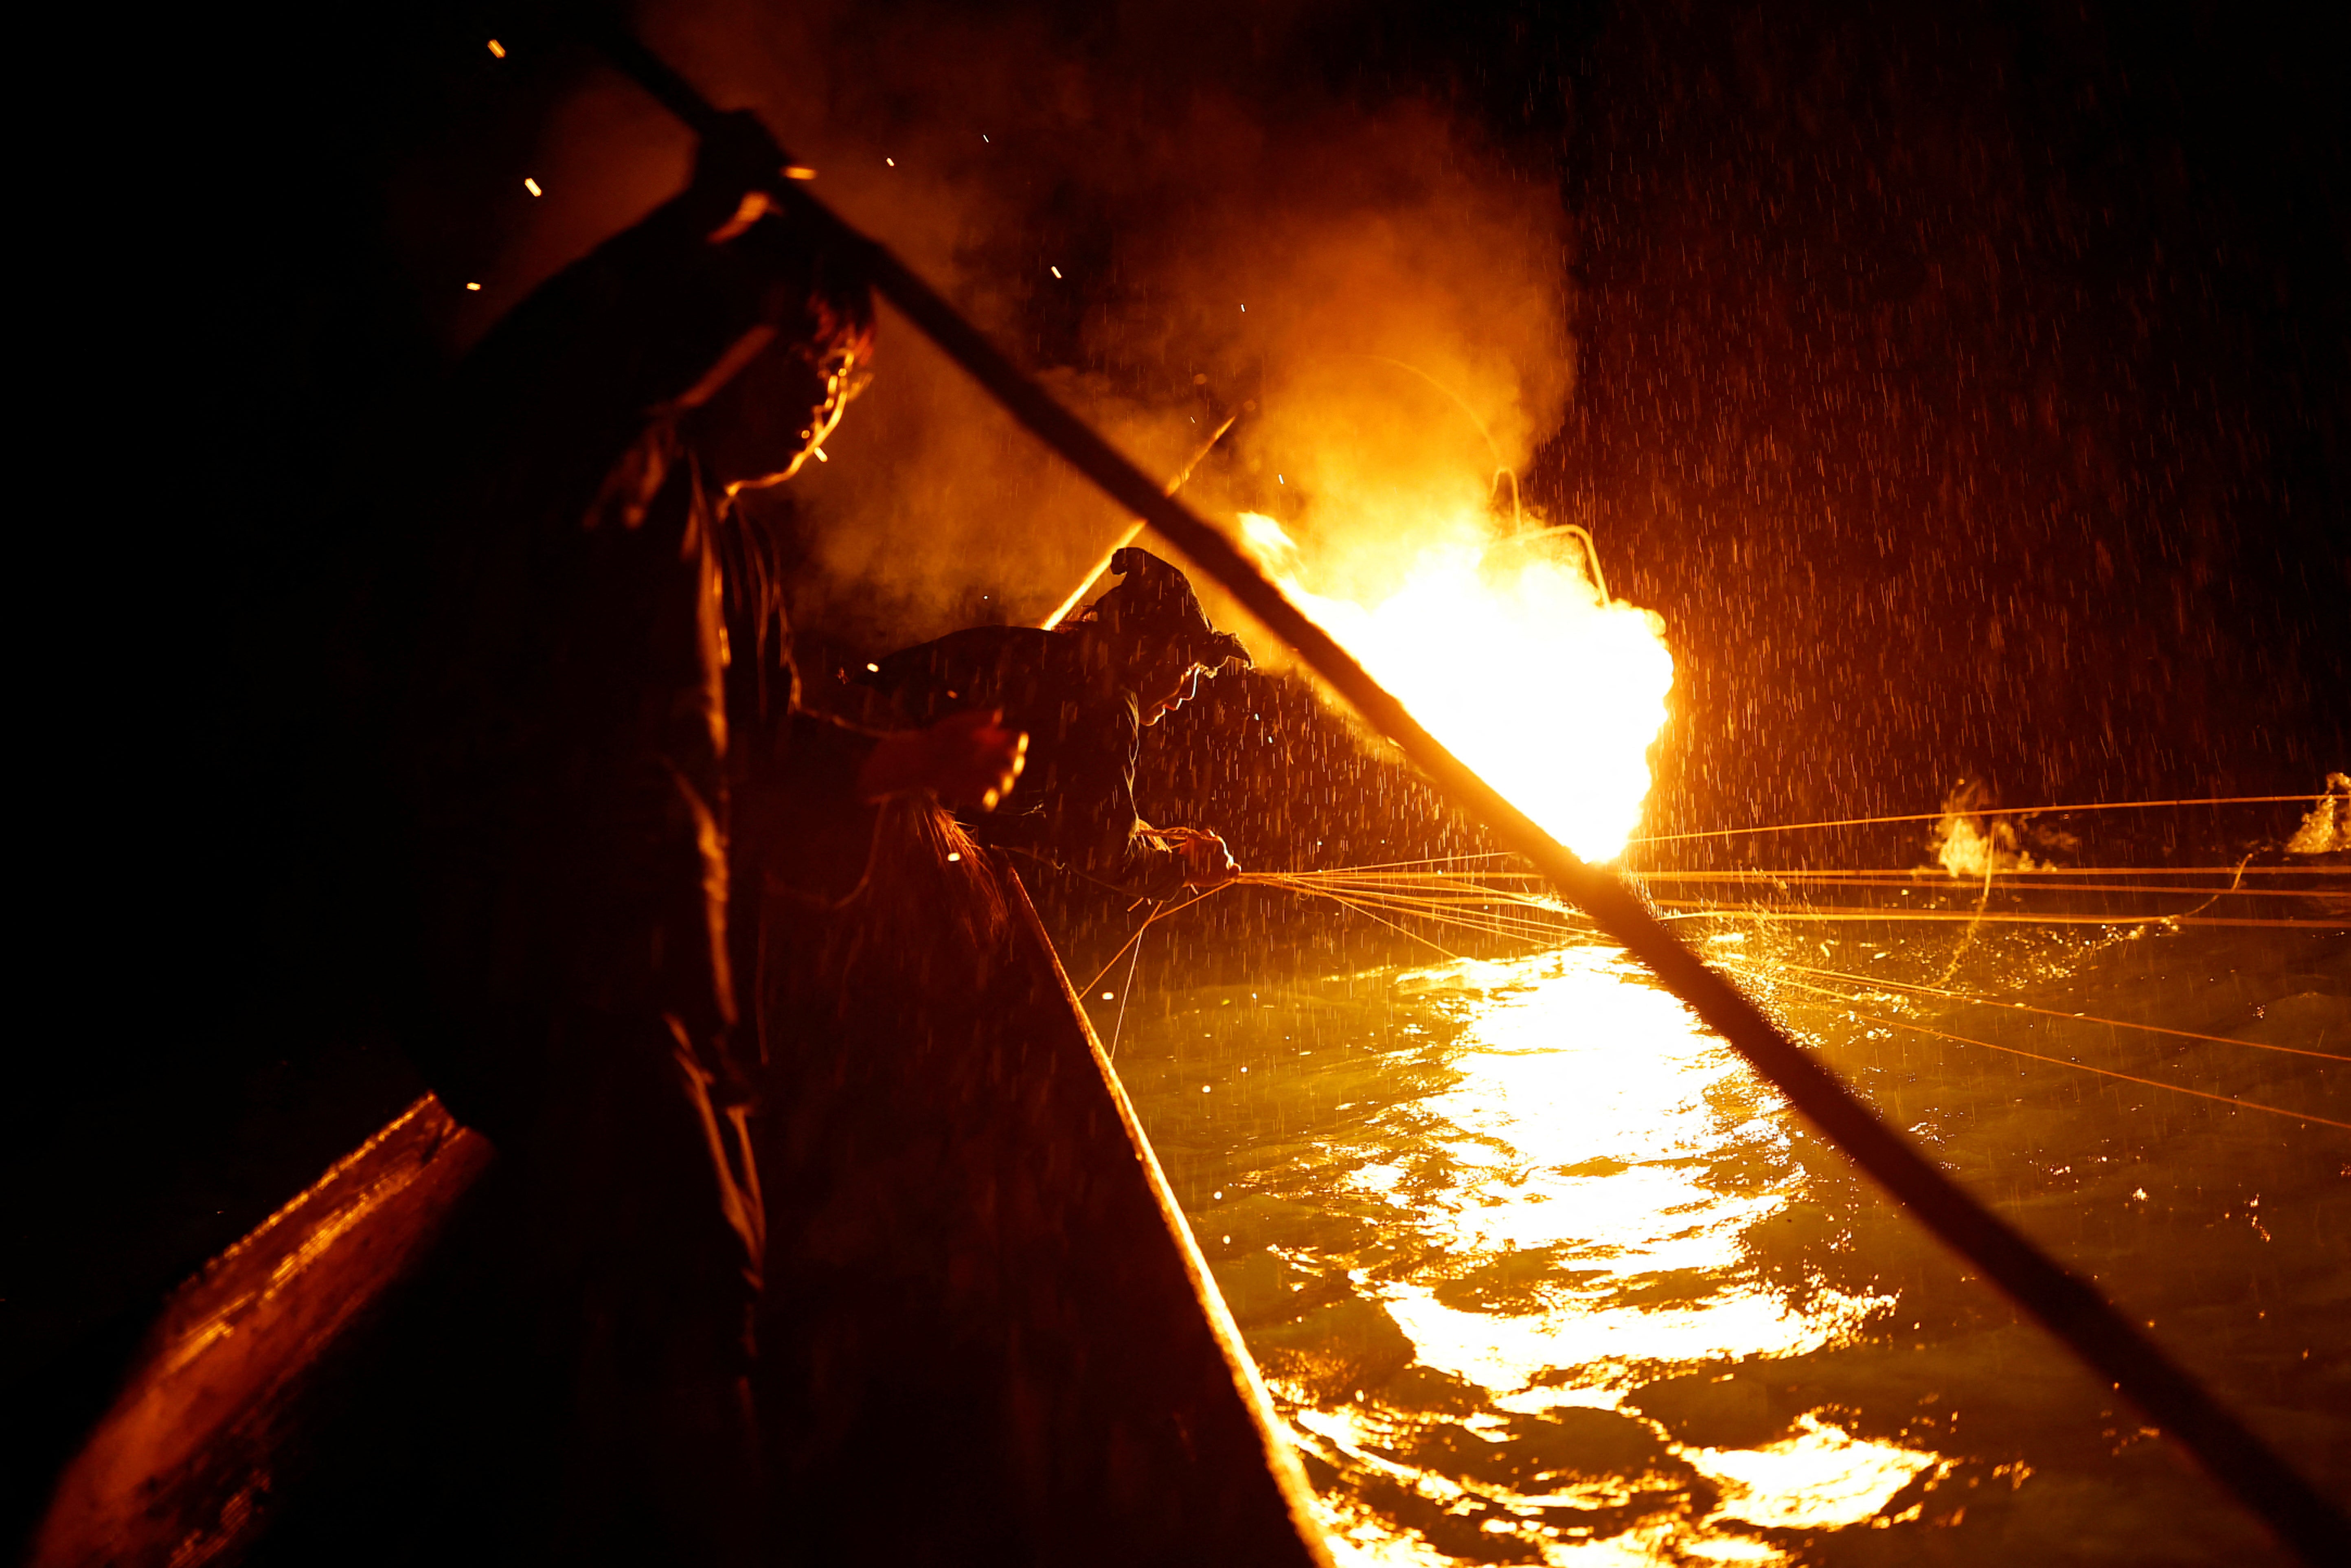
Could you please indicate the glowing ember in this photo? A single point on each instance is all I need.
(1515, 658)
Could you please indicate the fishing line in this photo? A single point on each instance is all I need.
(1879, 983)
(1429, 860)
(1463, 898)
(1118, 1025)
(1451, 909)
(1990, 811)
(1452, 895)
(1448, 892)
(1919, 886)
(1158, 912)
(1910, 875)
(1492, 926)
(1694, 909)
(1434, 891)
(2053, 1061)
(1445, 910)
(1391, 924)
(1466, 900)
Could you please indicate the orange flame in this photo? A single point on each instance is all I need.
(1515, 657)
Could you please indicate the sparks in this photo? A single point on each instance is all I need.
(820, 457)
(472, 288)
(532, 186)
(498, 50)
(1054, 270)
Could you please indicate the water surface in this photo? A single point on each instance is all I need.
(1539, 1272)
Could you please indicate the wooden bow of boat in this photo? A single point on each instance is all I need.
(180, 1469)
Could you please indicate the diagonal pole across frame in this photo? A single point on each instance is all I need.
(2091, 1327)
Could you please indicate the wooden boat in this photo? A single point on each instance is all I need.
(991, 1337)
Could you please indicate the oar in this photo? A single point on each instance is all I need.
(2110, 1342)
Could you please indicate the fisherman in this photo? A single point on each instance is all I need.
(1083, 693)
(611, 773)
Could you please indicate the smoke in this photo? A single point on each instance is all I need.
(1159, 214)
(1413, 341)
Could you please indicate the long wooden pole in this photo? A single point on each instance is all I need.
(2090, 1326)
(1063, 610)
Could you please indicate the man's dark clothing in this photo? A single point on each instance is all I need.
(608, 770)
(1074, 805)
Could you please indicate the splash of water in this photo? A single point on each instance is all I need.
(1967, 844)
(2327, 828)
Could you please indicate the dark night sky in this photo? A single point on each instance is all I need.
(1966, 386)
(2000, 359)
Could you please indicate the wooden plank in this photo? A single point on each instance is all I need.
(179, 1469)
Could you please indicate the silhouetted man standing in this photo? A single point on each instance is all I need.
(610, 770)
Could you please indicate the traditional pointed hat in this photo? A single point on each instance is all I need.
(1155, 601)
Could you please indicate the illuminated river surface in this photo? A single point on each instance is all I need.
(1539, 1272)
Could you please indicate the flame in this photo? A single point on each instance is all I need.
(1513, 657)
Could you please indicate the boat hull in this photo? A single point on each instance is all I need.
(987, 1336)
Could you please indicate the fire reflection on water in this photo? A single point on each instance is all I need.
(1594, 1123)
(1821, 1477)
(1569, 1209)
